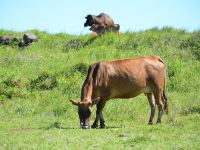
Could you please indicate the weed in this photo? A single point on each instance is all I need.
(75, 44)
(190, 110)
(130, 45)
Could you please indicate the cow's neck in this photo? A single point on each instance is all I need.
(86, 92)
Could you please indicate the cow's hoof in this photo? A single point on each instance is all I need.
(94, 126)
(158, 122)
(150, 123)
(102, 126)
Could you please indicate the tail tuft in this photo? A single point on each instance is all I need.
(166, 102)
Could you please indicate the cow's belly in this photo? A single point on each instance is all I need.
(128, 93)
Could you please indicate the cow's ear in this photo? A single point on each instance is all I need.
(95, 101)
(87, 16)
(74, 102)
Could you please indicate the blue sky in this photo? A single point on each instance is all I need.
(67, 16)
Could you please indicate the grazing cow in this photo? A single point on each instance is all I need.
(122, 79)
(101, 23)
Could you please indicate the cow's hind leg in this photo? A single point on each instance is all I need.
(99, 115)
(152, 105)
(159, 102)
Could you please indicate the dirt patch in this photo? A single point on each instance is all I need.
(21, 129)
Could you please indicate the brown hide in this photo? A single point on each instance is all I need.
(101, 23)
(104, 20)
(123, 79)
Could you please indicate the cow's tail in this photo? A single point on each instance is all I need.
(164, 92)
(165, 98)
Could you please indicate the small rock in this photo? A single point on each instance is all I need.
(123, 134)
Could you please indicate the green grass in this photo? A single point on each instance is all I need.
(36, 82)
(182, 135)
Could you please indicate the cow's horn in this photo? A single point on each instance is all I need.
(73, 102)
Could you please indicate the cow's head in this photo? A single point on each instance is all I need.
(85, 111)
(89, 20)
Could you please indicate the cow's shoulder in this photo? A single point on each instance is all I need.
(95, 68)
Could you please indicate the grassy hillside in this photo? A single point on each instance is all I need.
(36, 82)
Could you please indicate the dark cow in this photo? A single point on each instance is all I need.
(122, 79)
(101, 23)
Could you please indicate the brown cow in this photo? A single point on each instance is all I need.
(101, 23)
(122, 79)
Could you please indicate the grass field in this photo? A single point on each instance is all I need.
(36, 82)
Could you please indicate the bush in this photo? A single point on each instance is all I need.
(44, 81)
(10, 82)
(10, 93)
(11, 87)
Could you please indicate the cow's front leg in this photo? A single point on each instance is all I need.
(95, 124)
(99, 114)
(102, 122)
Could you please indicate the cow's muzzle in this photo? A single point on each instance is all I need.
(86, 24)
(85, 126)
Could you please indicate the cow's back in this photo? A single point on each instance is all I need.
(106, 19)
